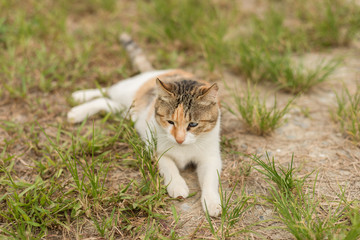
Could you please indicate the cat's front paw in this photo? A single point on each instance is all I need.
(79, 96)
(212, 204)
(76, 114)
(178, 188)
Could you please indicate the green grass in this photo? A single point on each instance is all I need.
(305, 214)
(269, 32)
(36, 206)
(263, 50)
(33, 208)
(301, 26)
(232, 212)
(265, 54)
(98, 179)
(255, 113)
(259, 63)
(348, 113)
(331, 23)
(197, 28)
(281, 176)
(40, 52)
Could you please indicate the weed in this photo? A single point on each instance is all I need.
(330, 23)
(310, 26)
(105, 224)
(301, 211)
(231, 213)
(297, 79)
(283, 178)
(197, 26)
(348, 113)
(261, 53)
(108, 5)
(259, 63)
(33, 207)
(146, 155)
(264, 54)
(353, 230)
(271, 31)
(254, 112)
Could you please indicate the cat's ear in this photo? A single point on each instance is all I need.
(210, 93)
(164, 89)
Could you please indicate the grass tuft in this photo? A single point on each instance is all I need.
(151, 185)
(329, 23)
(231, 213)
(348, 113)
(259, 63)
(255, 114)
(196, 27)
(282, 177)
(305, 215)
(32, 207)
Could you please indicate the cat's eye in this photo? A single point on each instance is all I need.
(171, 122)
(192, 124)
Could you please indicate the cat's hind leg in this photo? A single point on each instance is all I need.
(80, 112)
(86, 95)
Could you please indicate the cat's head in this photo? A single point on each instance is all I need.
(186, 109)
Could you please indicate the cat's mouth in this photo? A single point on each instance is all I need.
(179, 143)
(185, 143)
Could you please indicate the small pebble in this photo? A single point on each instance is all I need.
(259, 150)
(291, 137)
(244, 147)
(185, 207)
(324, 143)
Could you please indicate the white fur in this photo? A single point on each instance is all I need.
(121, 96)
(86, 95)
(79, 113)
(203, 150)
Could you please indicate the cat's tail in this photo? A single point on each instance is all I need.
(137, 56)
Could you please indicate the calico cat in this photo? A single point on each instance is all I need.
(184, 115)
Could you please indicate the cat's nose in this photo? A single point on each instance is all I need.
(180, 140)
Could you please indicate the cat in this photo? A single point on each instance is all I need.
(184, 115)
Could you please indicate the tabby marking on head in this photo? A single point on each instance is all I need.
(187, 107)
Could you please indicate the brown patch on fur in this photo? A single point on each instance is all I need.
(142, 96)
(152, 110)
(179, 129)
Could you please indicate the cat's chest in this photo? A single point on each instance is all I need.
(182, 155)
